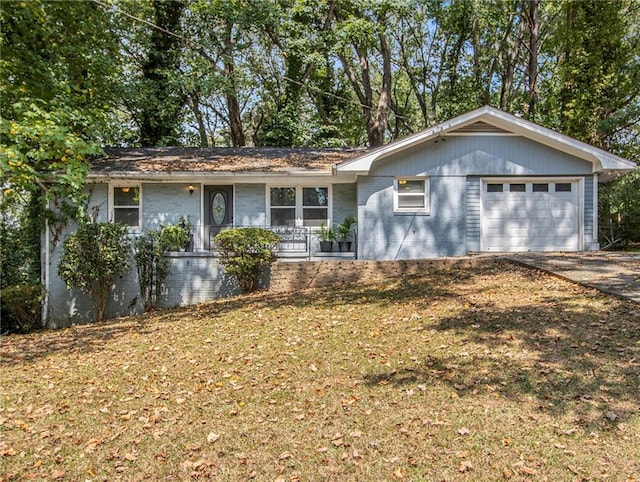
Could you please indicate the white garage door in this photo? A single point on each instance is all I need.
(530, 215)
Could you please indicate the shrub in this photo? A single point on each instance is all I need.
(245, 253)
(152, 266)
(174, 237)
(21, 308)
(92, 258)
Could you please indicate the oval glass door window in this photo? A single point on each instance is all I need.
(218, 208)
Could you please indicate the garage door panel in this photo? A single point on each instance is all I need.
(537, 221)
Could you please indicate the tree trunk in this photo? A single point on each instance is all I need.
(231, 96)
(194, 104)
(533, 22)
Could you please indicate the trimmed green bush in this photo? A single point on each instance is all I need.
(245, 253)
(21, 308)
(92, 258)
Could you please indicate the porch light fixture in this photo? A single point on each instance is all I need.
(125, 189)
(191, 189)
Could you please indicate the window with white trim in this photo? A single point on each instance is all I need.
(299, 206)
(126, 205)
(411, 194)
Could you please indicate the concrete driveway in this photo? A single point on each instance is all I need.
(616, 273)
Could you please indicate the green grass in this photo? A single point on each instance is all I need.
(491, 374)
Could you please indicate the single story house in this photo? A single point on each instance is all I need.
(485, 181)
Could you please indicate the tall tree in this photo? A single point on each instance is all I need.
(161, 110)
(597, 76)
(361, 34)
(57, 73)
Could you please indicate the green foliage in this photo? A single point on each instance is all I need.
(21, 308)
(43, 145)
(19, 263)
(92, 258)
(160, 104)
(620, 208)
(245, 253)
(325, 233)
(152, 266)
(173, 237)
(344, 228)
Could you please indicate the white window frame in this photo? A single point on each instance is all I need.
(427, 195)
(112, 205)
(299, 208)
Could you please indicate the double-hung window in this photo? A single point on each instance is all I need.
(299, 206)
(411, 194)
(126, 205)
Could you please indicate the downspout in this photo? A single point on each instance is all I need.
(46, 271)
(595, 211)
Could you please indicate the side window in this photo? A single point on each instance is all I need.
(563, 187)
(315, 206)
(283, 206)
(411, 195)
(299, 206)
(126, 205)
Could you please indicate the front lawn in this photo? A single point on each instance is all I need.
(488, 374)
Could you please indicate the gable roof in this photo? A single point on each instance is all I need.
(180, 161)
(488, 119)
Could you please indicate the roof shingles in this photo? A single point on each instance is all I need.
(172, 160)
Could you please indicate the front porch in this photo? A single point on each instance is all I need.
(296, 243)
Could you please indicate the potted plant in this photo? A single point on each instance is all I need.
(343, 230)
(173, 237)
(326, 236)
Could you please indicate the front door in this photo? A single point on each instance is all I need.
(218, 211)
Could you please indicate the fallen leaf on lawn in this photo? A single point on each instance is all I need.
(523, 469)
(398, 473)
(285, 456)
(611, 416)
(506, 473)
(572, 469)
(464, 431)
(58, 474)
(463, 454)
(212, 437)
(465, 466)
(131, 457)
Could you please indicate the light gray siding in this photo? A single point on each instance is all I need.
(483, 155)
(473, 213)
(250, 205)
(590, 229)
(386, 235)
(454, 167)
(194, 277)
(345, 201)
(167, 203)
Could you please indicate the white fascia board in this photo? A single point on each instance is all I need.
(225, 177)
(602, 161)
(362, 164)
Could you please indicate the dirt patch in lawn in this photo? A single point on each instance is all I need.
(483, 374)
